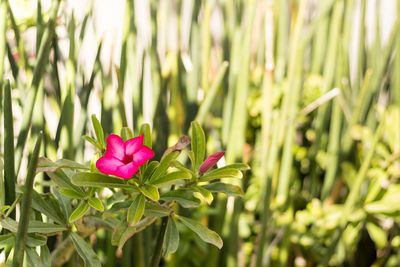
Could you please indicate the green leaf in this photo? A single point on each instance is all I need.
(39, 204)
(2, 192)
(382, 206)
(45, 255)
(184, 197)
(153, 210)
(9, 224)
(61, 178)
(164, 164)
(65, 203)
(79, 212)
(126, 133)
(98, 131)
(181, 167)
(98, 180)
(33, 258)
(136, 210)
(96, 204)
(221, 173)
(150, 169)
(85, 251)
(34, 240)
(171, 177)
(150, 191)
(198, 144)
(228, 189)
(171, 238)
(72, 193)
(238, 166)
(377, 234)
(7, 240)
(145, 130)
(46, 165)
(207, 196)
(45, 228)
(118, 231)
(92, 141)
(203, 232)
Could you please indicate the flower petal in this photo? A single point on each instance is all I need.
(108, 165)
(115, 147)
(126, 171)
(133, 145)
(143, 155)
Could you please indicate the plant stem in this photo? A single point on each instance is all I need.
(26, 204)
(160, 240)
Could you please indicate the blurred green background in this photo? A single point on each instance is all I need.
(306, 92)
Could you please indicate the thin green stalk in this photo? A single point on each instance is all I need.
(354, 194)
(3, 41)
(320, 42)
(265, 130)
(9, 174)
(43, 56)
(155, 261)
(395, 78)
(328, 74)
(210, 96)
(237, 137)
(206, 47)
(138, 255)
(333, 149)
(282, 40)
(292, 95)
(26, 203)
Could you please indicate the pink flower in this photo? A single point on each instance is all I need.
(210, 161)
(123, 159)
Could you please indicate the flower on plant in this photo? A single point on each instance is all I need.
(211, 161)
(123, 159)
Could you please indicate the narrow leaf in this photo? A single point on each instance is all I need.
(184, 197)
(221, 173)
(164, 164)
(150, 191)
(39, 204)
(198, 144)
(7, 240)
(171, 177)
(171, 238)
(203, 232)
(153, 210)
(228, 189)
(45, 228)
(136, 210)
(79, 212)
(145, 130)
(92, 141)
(98, 131)
(207, 196)
(96, 204)
(98, 180)
(71, 193)
(46, 165)
(150, 169)
(85, 251)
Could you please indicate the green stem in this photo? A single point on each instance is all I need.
(160, 240)
(26, 204)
